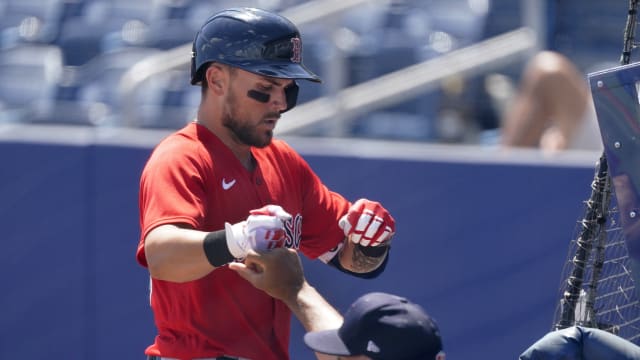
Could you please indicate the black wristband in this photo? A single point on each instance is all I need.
(373, 251)
(215, 248)
(335, 262)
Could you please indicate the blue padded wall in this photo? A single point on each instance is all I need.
(480, 246)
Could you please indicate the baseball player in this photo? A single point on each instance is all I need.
(222, 186)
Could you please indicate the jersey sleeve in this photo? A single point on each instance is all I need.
(171, 189)
(322, 208)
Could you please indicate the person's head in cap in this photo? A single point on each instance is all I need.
(381, 326)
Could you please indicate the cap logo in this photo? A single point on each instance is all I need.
(296, 50)
(372, 347)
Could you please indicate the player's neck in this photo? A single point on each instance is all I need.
(243, 154)
(241, 151)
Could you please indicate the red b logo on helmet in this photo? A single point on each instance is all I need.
(296, 50)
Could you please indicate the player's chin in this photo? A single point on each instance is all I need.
(264, 140)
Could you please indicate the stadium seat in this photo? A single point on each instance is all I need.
(28, 75)
(29, 21)
(195, 12)
(381, 51)
(102, 26)
(586, 44)
(88, 94)
(167, 34)
(166, 100)
(400, 34)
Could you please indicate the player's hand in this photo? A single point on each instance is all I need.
(368, 223)
(278, 273)
(263, 230)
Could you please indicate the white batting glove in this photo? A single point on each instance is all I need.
(368, 223)
(263, 230)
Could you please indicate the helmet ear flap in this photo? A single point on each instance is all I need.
(291, 94)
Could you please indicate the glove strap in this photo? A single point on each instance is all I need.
(216, 249)
(237, 241)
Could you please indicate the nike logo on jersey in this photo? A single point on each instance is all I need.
(227, 185)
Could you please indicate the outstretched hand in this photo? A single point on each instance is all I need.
(277, 272)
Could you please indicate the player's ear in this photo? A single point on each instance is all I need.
(216, 77)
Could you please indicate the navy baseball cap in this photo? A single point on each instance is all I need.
(383, 327)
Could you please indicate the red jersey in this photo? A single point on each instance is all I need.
(193, 178)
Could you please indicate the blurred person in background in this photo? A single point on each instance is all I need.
(552, 108)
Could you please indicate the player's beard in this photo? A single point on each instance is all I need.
(242, 129)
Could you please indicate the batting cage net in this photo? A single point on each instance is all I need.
(599, 277)
(598, 288)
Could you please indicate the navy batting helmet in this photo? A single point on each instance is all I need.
(251, 39)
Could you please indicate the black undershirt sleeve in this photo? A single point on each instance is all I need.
(370, 251)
